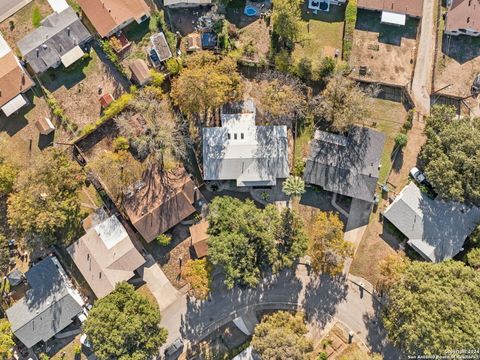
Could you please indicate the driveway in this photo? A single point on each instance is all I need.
(422, 78)
(10, 7)
(159, 285)
(323, 299)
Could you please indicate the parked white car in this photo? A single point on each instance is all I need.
(417, 175)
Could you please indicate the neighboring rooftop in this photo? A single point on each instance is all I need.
(199, 235)
(13, 78)
(140, 72)
(57, 40)
(408, 7)
(160, 45)
(436, 229)
(463, 14)
(105, 255)
(346, 165)
(186, 3)
(109, 16)
(239, 150)
(48, 306)
(163, 203)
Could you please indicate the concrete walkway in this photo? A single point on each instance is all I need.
(422, 78)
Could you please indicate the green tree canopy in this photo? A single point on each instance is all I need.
(124, 325)
(286, 19)
(246, 240)
(8, 174)
(206, 83)
(452, 155)
(199, 274)
(45, 197)
(327, 247)
(434, 308)
(281, 335)
(6, 339)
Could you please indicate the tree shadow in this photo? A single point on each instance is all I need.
(377, 336)
(322, 295)
(223, 305)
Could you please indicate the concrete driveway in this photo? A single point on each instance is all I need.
(10, 7)
(159, 285)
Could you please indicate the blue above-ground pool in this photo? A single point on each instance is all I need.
(250, 10)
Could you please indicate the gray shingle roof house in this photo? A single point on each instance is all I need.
(48, 306)
(239, 150)
(59, 39)
(346, 165)
(436, 229)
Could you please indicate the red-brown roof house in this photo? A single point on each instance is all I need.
(199, 236)
(160, 201)
(393, 10)
(109, 16)
(463, 17)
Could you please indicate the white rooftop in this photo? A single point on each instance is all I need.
(393, 18)
(111, 231)
(14, 105)
(4, 47)
(58, 5)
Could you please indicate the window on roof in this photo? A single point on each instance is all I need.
(241, 136)
(229, 136)
(235, 136)
(100, 275)
(88, 256)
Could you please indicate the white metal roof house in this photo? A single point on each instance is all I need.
(241, 151)
(48, 307)
(436, 229)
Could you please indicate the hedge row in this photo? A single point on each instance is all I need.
(350, 21)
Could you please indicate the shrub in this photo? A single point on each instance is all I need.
(198, 273)
(322, 356)
(77, 349)
(350, 22)
(249, 49)
(303, 69)
(327, 67)
(164, 239)
(157, 78)
(401, 140)
(174, 65)
(116, 107)
(121, 143)
(112, 56)
(36, 17)
(283, 61)
(407, 125)
(162, 24)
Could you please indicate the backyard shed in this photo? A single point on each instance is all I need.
(45, 126)
(106, 100)
(160, 45)
(140, 72)
(199, 235)
(15, 277)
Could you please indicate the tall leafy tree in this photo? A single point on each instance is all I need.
(291, 240)
(8, 174)
(6, 340)
(343, 103)
(199, 274)
(286, 19)
(124, 325)
(281, 335)
(206, 83)
(327, 247)
(451, 155)
(246, 241)
(433, 309)
(45, 197)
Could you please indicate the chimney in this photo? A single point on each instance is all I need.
(68, 31)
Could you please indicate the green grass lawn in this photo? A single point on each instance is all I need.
(389, 116)
(322, 33)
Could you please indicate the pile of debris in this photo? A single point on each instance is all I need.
(476, 85)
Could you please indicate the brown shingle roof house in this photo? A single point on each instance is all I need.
(407, 7)
(160, 202)
(110, 16)
(14, 81)
(140, 72)
(463, 17)
(105, 255)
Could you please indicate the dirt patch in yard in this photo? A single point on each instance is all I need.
(254, 41)
(20, 24)
(177, 258)
(387, 51)
(78, 88)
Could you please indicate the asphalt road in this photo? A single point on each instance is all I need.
(322, 299)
